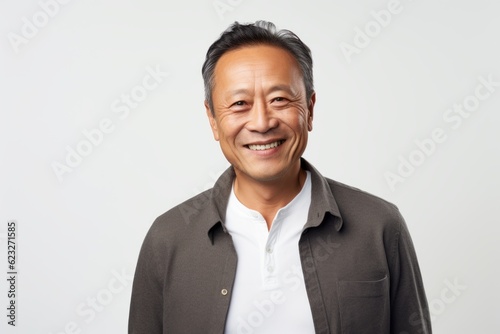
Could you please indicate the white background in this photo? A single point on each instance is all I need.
(76, 235)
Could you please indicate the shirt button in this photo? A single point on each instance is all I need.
(270, 269)
(224, 292)
(269, 250)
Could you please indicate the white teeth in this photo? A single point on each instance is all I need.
(265, 147)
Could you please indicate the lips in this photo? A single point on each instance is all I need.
(263, 147)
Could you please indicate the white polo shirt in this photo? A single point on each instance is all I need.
(269, 294)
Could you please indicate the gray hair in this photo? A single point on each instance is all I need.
(261, 32)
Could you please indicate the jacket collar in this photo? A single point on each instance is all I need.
(322, 200)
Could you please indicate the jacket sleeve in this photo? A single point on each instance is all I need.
(146, 307)
(409, 310)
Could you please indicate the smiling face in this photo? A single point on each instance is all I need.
(261, 116)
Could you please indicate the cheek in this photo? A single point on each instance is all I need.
(299, 124)
(229, 129)
(235, 123)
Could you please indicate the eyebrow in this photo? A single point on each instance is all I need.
(273, 89)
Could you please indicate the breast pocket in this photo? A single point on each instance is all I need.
(364, 306)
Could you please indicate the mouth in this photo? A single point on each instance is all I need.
(263, 147)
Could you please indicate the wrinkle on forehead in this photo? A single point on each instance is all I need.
(245, 72)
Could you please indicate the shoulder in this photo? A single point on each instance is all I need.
(187, 211)
(350, 195)
(190, 221)
(356, 205)
(182, 222)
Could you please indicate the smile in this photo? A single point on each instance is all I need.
(266, 146)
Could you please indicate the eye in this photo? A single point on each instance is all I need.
(239, 106)
(279, 101)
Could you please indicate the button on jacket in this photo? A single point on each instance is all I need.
(359, 264)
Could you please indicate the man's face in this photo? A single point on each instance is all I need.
(261, 116)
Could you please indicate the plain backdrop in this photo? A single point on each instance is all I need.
(385, 84)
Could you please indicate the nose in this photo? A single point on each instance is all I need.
(262, 118)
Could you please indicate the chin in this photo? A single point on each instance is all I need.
(265, 176)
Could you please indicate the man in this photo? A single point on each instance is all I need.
(274, 247)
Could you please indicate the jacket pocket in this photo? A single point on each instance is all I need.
(364, 306)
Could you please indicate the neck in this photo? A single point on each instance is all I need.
(269, 196)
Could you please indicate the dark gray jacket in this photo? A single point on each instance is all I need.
(360, 268)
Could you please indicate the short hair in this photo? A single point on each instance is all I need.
(258, 33)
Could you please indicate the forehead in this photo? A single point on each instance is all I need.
(256, 62)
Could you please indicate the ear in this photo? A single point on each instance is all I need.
(212, 121)
(310, 108)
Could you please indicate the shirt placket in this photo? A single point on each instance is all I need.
(269, 270)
